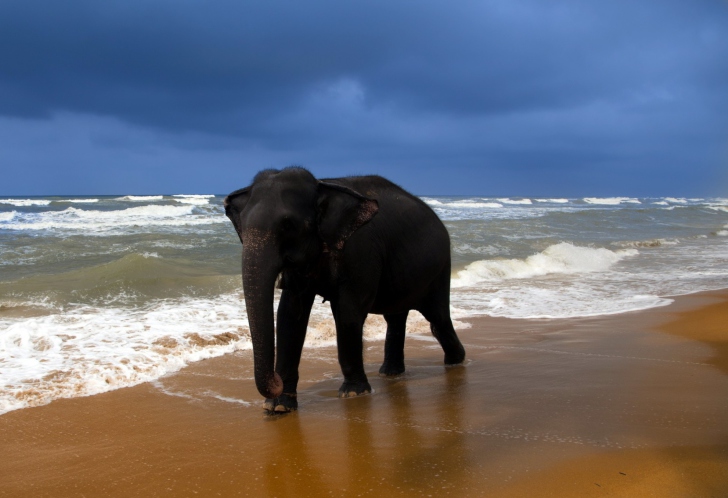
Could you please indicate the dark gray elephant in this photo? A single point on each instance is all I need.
(363, 244)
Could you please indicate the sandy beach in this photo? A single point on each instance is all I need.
(624, 405)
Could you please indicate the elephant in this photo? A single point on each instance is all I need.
(362, 243)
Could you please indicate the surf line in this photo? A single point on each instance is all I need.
(159, 386)
(598, 355)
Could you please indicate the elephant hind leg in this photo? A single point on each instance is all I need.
(394, 345)
(436, 309)
(445, 334)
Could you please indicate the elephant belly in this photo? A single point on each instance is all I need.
(402, 294)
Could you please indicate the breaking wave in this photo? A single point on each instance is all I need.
(611, 201)
(78, 201)
(8, 216)
(101, 221)
(516, 201)
(558, 258)
(140, 198)
(25, 202)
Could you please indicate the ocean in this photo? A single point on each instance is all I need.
(99, 293)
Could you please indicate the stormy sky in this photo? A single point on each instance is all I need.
(511, 97)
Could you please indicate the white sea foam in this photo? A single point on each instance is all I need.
(78, 201)
(462, 204)
(322, 328)
(611, 201)
(558, 258)
(661, 203)
(565, 300)
(25, 202)
(140, 198)
(515, 201)
(554, 201)
(676, 200)
(570, 281)
(88, 350)
(7, 216)
(197, 201)
(432, 202)
(474, 204)
(140, 217)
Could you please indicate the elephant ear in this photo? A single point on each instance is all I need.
(340, 212)
(234, 205)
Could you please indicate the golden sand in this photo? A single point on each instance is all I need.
(606, 406)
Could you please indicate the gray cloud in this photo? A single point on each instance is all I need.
(546, 89)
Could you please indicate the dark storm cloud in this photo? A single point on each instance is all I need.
(520, 85)
(194, 64)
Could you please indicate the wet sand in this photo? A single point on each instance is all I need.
(626, 405)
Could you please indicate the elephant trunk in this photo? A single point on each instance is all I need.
(261, 266)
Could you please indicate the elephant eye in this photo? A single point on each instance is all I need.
(287, 225)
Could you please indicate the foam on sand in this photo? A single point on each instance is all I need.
(88, 350)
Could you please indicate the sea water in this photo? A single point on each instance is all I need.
(98, 293)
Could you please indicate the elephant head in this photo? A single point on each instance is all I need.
(286, 220)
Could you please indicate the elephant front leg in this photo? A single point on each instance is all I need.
(394, 345)
(294, 311)
(349, 332)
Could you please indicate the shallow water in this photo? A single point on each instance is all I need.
(100, 292)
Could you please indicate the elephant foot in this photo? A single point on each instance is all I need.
(456, 358)
(284, 403)
(391, 369)
(349, 389)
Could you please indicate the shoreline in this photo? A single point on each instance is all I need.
(626, 404)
